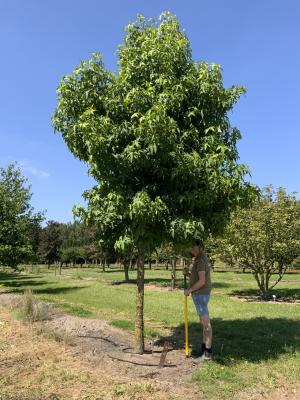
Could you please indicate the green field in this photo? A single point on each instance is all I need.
(253, 342)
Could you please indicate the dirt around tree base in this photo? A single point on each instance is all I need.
(112, 349)
(96, 349)
(258, 299)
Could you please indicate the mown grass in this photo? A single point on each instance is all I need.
(253, 341)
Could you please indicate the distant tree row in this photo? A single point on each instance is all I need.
(263, 238)
(23, 239)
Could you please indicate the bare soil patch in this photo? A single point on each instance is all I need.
(100, 354)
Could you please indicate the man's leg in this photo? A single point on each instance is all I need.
(207, 331)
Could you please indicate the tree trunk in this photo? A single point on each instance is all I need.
(139, 319)
(126, 270)
(150, 264)
(60, 266)
(263, 284)
(173, 272)
(167, 265)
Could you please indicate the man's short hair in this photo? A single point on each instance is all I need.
(198, 242)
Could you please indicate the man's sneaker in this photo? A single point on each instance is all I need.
(197, 352)
(207, 355)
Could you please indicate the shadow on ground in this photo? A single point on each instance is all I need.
(17, 283)
(165, 283)
(253, 340)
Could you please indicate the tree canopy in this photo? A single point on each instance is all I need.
(157, 138)
(264, 238)
(50, 242)
(18, 222)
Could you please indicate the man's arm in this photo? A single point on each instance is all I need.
(198, 285)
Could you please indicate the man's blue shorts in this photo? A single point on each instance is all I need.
(201, 303)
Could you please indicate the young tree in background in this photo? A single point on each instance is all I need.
(17, 219)
(157, 139)
(264, 238)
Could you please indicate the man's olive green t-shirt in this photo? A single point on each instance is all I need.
(201, 263)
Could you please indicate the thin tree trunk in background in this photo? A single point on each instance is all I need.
(60, 267)
(139, 319)
(126, 270)
(173, 272)
(150, 264)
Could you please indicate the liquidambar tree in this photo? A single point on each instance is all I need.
(157, 139)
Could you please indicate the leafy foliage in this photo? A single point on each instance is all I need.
(19, 225)
(50, 242)
(264, 238)
(156, 136)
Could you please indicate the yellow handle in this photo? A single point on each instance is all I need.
(186, 326)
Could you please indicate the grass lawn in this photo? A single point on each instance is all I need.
(256, 345)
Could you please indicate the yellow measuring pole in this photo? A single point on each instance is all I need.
(186, 322)
(186, 326)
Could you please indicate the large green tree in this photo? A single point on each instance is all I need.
(157, 139)
(264, 238)
(18, 222)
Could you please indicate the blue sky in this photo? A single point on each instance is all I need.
(256, 42)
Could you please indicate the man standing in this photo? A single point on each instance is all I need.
(200, 288)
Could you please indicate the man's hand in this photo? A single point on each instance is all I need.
(187, 292)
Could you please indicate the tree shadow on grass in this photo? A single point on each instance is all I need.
(15, 281)
(57, 290)
(5, 276)
(19, 283)
(252, 340)
(163, 283)
(54, 290)
(147, 281)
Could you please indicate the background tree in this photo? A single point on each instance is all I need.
(18, 223)
(158, 141)
(76, 234)
(50, 243)
(125, 248)
(264, 238)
